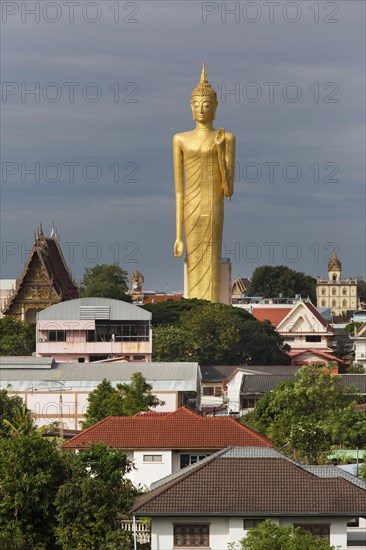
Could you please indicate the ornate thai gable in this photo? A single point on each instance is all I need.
(303, 318)
(44, 282)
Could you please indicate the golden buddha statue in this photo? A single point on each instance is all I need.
(205, 159)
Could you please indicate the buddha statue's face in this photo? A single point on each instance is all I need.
(203, 108)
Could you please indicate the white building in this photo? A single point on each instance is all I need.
(216, 501)
(59, 391)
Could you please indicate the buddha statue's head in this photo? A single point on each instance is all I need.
(204, 100)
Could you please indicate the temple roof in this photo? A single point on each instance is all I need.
(48, 252)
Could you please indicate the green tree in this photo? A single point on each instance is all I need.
(268, 536)
(361, 289)
(105, 281)
(16, 338)
(15, 418)
(92, 503)
(309, 416)
(218, 334)
(31, 471)
(271, 281)
(123, 400)
(169, 312)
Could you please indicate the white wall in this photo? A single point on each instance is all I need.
(225, 530)
(233, 392)
(145, 473)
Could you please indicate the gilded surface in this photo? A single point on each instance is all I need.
(206, 157)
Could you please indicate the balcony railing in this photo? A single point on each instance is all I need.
(143, 530)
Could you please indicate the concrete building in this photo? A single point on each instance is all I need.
(94, 329)
(338, 294)
(59, 391)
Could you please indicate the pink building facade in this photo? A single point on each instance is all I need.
(94, 329)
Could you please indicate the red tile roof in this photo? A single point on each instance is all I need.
(275, 315)
(182, 429)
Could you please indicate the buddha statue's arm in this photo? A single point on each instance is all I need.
(179, 197)
(226, 156)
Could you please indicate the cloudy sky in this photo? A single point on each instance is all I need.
(90, 148)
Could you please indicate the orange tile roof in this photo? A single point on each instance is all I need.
(181, 429)
(275, 315)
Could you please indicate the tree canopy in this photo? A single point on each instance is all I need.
(271, 281)
(16, 338)
(215, 334)
(105, 281)
(31, 471)
(122, 400)
(268, 536)
(310, 416)
(92, 502)
(15, 418)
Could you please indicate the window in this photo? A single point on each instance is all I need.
(97, 357)
(334, 291)
(212, 390)
(139, 357)
(334, 278)
(318, 531)
(81, 359)
(248, 403)
(188, 459)
(56, 336)
(334, 303)
(191, 535)
(313, 338)
(153, 458)
(251, 523)
(323, 291)
(344, 290)
(323, 303)
(344, 303)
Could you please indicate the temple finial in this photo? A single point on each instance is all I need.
(40, 230)
(203, 78)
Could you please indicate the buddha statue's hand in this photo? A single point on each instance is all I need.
(178, 248)
(220, 137)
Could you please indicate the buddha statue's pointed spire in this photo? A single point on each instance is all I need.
(204, 88)
(203, 78)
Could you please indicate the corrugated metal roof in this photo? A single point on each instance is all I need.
(19, 362)
(160, 375)
(70, 310)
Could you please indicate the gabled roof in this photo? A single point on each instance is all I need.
(181, 429)
(49, 254)
(272, 314)
(315, 351)
(361, 331)
(252, 482)
(303, 312)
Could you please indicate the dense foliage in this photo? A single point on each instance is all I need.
(310, 416)
(214, 334)
(92, 502)
(50, 499)
(268, 536)
(270, 281)
(105, 281)
(361, 290)
(15, 418)
(31, 471)
(16, 338)
(123, 400)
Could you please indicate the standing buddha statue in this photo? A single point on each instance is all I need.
(204, 160)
